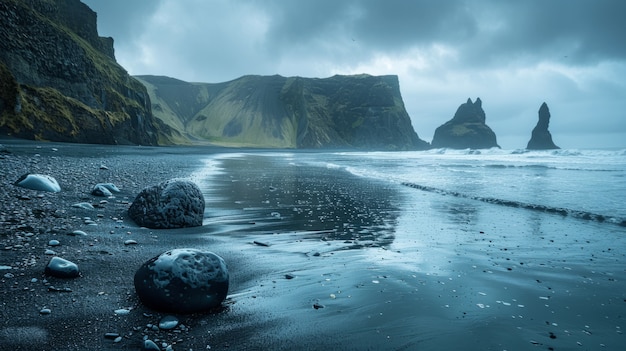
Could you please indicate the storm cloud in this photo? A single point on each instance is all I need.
(514, 55)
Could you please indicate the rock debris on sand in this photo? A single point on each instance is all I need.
(38, 307)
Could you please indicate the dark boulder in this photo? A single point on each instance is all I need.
(183, 281)
(541, 138)
(466, 130)
(175, 203)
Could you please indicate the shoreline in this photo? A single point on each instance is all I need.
(318, 258)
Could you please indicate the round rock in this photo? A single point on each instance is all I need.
(40, 182)
(174, 203)
(101, 190)
(183, 281)
(61, 268)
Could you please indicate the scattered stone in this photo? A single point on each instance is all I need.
(130, 242)
(2, 268)
(183, 281)
(149, 345)
(174, 203)
(61, 268)
(85, 205)
(40, 182)
(100, 190)
(77, 233)
(122, 311)
(289, 276)
(317, 306)
(168, 322)
(110, 187)
(45, 311)
(260, 243)
(54, 242)
(103, 167)
(63, 290)
(111, 335)
(49, 252)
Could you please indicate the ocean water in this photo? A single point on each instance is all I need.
(440, 249)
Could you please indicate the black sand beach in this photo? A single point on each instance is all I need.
(319, 259)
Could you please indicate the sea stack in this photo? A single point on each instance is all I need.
(466, 130)
(541, 138)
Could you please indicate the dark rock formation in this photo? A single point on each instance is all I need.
(541, 138)
(183, 281)
(171, 204)
(467, 129)
(59, 80)
(360, 111)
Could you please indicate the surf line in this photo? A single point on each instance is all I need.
(541, 208)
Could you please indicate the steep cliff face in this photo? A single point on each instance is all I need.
(273, 111)
(467, 129)
(60, 81)
(541, 139)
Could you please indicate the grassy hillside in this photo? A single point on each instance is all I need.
(273, 111)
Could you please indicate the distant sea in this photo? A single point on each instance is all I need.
(484, 249)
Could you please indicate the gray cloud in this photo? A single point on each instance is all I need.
(513, 54)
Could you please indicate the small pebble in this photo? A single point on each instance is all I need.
(84, 205)
(149, 345)
(45, 311)
(54, 243)
(77, 233)
(130, 242)
(168, 322)
(317, 306)
(122, 311)
(49, 252)
(61, 268)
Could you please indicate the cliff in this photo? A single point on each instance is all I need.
(467, 129)
(360, 111)
(59, 80)
(541, 139)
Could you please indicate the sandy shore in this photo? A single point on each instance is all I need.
(271, 299)
(319, 259)
(30, 219)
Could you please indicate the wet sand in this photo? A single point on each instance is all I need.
(319, 259)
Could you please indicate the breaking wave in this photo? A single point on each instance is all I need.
(529, 206)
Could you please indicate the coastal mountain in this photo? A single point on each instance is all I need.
(358, 111)
(541, 139)
(59, 80)
(467, 129)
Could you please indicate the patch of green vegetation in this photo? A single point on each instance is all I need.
(358, 122)
(464, 129)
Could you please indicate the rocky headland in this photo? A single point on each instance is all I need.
(59, 80)
(541, 139)
(358, 111)
(467, 129)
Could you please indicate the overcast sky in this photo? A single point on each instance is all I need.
(514, 55)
